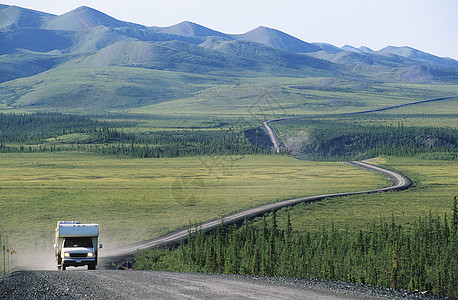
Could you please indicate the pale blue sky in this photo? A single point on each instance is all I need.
(428, 25)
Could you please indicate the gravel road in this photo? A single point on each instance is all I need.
(83, 284)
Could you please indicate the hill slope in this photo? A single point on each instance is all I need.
(96, 89)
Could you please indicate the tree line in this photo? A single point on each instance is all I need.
(421, 257)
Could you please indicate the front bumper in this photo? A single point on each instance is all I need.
(76, 262)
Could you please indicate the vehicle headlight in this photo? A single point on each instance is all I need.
(66, 254)
(90, 254)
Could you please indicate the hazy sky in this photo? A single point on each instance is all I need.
(428, 25)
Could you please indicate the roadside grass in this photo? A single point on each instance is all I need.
(139, 199)
(435, 184)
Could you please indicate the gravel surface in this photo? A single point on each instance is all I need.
(101, 284)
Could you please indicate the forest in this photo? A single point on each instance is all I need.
(34, 128)
(421, 257)
(329, 139)
(40, 132)
(339, 139)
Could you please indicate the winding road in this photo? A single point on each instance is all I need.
(120, 255)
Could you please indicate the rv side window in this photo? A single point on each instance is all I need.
(78, 242)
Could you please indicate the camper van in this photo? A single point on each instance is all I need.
(76, 245)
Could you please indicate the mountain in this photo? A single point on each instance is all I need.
(84, 18)
(277, 39)
(351, 49)
(16, 17)
(190, 29)
(85, 59)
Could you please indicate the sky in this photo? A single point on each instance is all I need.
(427, 25)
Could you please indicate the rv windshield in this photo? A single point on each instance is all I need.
(78, 242)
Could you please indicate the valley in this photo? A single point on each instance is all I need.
(148, 130)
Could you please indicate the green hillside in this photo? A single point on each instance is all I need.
(98, 90)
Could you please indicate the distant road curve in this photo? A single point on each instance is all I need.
(277, 144)
(399, 182)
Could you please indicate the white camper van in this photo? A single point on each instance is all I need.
(76, 244)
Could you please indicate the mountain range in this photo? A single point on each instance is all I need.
(34, 44)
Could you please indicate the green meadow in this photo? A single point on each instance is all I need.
(138, 199)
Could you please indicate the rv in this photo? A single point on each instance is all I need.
(76, 245)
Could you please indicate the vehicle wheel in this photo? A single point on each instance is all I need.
(91, 267)
(59, 267)
(64, 267)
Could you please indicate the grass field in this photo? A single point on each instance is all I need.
(435, 184)
(138, 199)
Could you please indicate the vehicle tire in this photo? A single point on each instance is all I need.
(91, 267)
(59, 268)
(64, 267)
